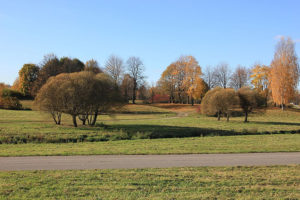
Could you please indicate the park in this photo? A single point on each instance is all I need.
(105, 100)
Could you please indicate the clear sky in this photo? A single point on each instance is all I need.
(158, 31)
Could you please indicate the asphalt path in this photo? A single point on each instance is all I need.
(146, 161)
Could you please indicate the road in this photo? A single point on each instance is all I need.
(145, 161)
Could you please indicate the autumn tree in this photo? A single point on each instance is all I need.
(248, 100)
(80, 94)
(135, 68)
(152, 93)
(167, 81)
(114, 67)
(219, 101)
(126, 87)
(201, 88)
(27, 76)
(222, 75)
(192, 77)
(49, 97)
(92, 66)
(52, 66)
(209, 108)
(260, 80)
(284, 72)
(240, 77)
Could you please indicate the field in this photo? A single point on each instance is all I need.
(141, 122)
(151, 129)
(274, 182)
(178, 129)
(217, 144)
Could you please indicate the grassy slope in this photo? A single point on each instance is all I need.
(275, 182)
(218, 144)
(153, 122)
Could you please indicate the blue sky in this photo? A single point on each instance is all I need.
(158, 31)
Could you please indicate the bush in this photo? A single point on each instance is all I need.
(6, 92)
(11, 103)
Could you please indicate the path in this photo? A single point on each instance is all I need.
(146, 161)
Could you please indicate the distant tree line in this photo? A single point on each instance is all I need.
(185, 82)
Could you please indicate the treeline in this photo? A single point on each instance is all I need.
(185, 82)
(83, 90)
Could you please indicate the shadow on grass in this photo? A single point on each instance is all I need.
(103, 132)
(159, 131)
(278, 123)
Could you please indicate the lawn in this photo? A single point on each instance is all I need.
(217, 144)
(141, 122)
(273, 182)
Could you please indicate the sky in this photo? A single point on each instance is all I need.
(158, 31)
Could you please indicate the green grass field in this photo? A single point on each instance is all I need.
(126, 132)
(217, 144)
(273, 182)
(140, 122)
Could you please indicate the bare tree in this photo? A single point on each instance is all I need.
(221, 74)
(209, 78)
(135, 69)
(114, 67)
(240, 77)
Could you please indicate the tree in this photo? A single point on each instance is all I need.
(248, 100)
(114, 67)
(92, 66)
(192, 77)
(80, 94)
(207, 105)
(240, 78)
(200, 89)
(167, 82)
(219, 101)
(49, 97)
(260, 80)
(135, 69)
(209, 77)
(284, 72)
(126, 87)
(27, 76)
(221, 75)
(52, 66)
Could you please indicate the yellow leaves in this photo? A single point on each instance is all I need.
(284, 74)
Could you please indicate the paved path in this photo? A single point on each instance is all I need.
(146, 161)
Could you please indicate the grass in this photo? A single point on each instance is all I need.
(274, 182)
(140, 122)
(218, 144)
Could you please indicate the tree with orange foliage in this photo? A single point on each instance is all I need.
(260, 80)
(192, 77)
(284, 72)
(167, 81)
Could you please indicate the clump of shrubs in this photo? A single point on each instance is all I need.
(9, 99)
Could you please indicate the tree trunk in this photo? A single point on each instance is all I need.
(246, 117)
(133, 91)
(74, 120)
(58, 118)
(192, 101)
(219, 116)
(227, 115)
(95, 118)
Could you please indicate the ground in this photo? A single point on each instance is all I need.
(178, 129)
(276, 182)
